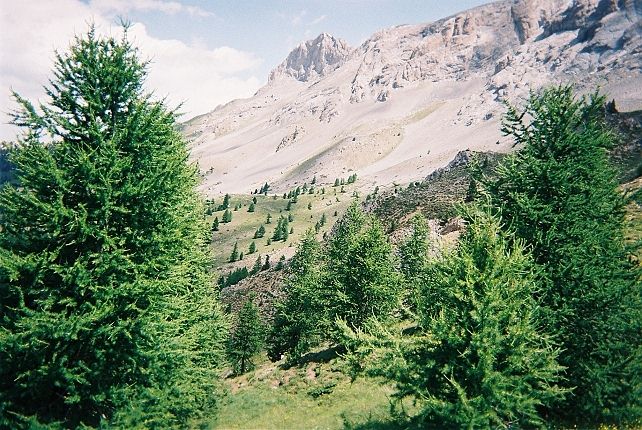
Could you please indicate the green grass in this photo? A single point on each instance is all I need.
(245, 223)
(315, 395)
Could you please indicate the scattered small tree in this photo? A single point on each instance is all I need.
(235, 253)
(227, 216)
(260, 232)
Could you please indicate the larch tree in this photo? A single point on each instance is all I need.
(559, 194)
(360, 281)
(478, 357)
(296, 323)
(107, 315)
(247, 337)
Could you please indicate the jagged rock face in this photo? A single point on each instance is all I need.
(410, 97)
(313, 59)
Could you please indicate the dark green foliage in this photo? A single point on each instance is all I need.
(233, 277)
(352, 178)
(266, 265)
(477, 358)
(281, 264)
(257, 265)
(251, 207)
(254, 200)
(323, 220)
(107, 313)
(309, 205)
(361, 282)
(227, 216)
(296, 322)
(215, 224)
(289, 206)
(268, 220)
(260, 232)
(252, 248)
(235, 253)
(264, 189)
(247, 338)
(290, 217)
(6, 169)
(559, 194)
(336, 182)
(281, 231)
(226, 203)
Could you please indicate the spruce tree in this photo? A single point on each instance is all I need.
(559, 193)
(227, 216)
(235, 253)
(260, 232)
(251, 207)
(215, 224)
(107, 313)
(226, 203)
(252, 248)
(257, 265)
(247, 338)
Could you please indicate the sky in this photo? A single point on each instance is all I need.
(203, 52)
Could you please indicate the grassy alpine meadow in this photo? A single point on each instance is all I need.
(306, 212)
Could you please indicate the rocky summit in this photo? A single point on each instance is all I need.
(410, 97)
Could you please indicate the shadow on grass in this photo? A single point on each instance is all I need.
(386, 423)
(374, 425)
(323, 356)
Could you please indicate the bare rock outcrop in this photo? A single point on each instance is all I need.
(313, 59)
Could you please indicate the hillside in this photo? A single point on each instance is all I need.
(410, 97)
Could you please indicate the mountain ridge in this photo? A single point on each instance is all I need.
(410, 97)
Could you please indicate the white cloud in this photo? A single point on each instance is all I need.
(192, 73)
(317, 20)
(168, 7)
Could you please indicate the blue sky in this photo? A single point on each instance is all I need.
(270, 29)
(204, 53)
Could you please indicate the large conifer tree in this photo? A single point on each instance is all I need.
(360, 281)
(106, 311)
(559, 193)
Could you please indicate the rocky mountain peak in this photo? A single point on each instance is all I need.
(313, 59)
